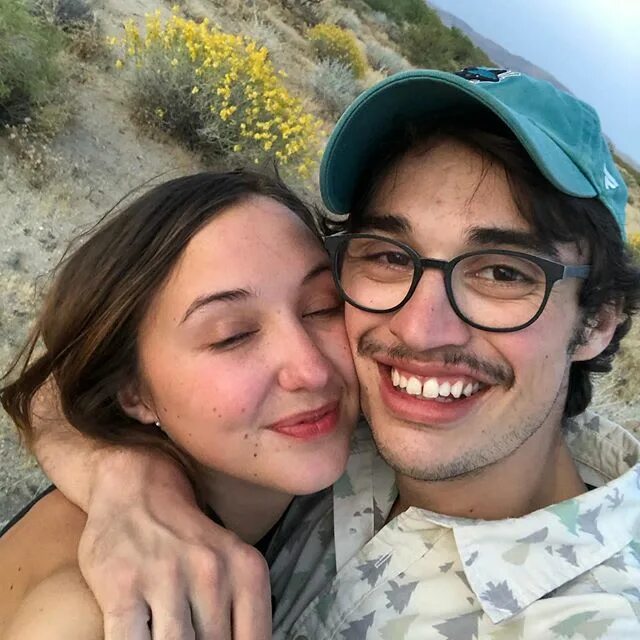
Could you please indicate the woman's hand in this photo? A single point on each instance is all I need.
(148, 553)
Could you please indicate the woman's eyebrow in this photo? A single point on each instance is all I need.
(232, 295)
(316, 271)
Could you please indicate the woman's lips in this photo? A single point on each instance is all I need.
(310, 424)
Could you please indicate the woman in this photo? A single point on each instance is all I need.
(201, 320)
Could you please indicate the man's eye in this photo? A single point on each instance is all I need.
(502, 273)
(232, 341)
(395, 258)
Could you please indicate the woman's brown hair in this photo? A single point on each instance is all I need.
(89, 321)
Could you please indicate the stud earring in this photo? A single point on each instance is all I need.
(157, 423)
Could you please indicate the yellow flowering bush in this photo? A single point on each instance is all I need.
(330, 42)
(217, 92)
(634, 243)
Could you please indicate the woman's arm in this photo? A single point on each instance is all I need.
(146, 543)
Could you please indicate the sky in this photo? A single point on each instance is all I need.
(590, 46)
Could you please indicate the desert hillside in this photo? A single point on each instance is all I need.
(73, 144)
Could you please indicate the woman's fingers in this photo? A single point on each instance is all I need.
(251, 614)
(193, 578)
(171, 616)
(127, 623)
(239, 585)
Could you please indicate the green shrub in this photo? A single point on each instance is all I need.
(330, 42)
(29, 72)
(425, 41)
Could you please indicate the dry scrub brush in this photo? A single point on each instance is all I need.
(335, 87)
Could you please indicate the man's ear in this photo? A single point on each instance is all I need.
(135, 405)
(597, 333)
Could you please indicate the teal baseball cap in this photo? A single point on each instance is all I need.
(561, 134)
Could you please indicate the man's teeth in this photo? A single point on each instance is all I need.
(431, 388)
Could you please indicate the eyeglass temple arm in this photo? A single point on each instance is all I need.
(576, 272)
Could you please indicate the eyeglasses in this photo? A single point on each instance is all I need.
(494, 290)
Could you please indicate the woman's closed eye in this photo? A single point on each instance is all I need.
(326, 307)
(233, 340)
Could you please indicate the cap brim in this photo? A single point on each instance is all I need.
(422, 96)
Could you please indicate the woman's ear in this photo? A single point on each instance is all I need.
(597, 333)
(135, 405)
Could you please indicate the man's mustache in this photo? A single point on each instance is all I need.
(497, 373)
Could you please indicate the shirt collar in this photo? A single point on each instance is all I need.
(511, 563)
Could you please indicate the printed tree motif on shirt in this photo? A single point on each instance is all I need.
(372, 570)
(582, 624)
(343, 487)
(397, 628)
(398, 595)
(536, 536)
(510, 630)
(567, 512)
(500, 596)
(634, 547)
(616, 499)
(461, 628)
(568, 552)
(298, 580)
(325, 602)
(588, 523)
(325, 532)
(518, 555)
(378, 517)
(357, 630)
(616, 562)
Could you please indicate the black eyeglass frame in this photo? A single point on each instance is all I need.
(553, 271)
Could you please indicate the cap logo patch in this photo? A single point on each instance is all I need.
(609, 181)
(480, 74)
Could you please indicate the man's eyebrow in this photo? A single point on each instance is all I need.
(492, 236)
(387, 222)
(232, 295)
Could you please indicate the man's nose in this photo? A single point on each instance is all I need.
(427, 320)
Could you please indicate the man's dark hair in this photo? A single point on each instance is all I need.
(555, 217)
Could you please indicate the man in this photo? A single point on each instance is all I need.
(486, 278)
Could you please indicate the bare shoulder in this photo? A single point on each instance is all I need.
(41, 544)
(61, 607)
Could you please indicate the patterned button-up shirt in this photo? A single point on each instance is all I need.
(569, 571)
